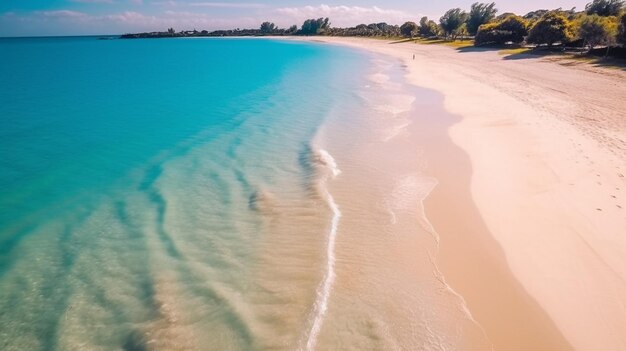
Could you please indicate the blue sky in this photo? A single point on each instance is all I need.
(69, 17)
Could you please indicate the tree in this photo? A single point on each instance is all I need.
(480, 14)
(604, 7)
(292, 30)
(552, 28)
(428, 28)
(595, 30)
(452, 21)
(268, 27)
(408, 29)
(511, 29)
(460, 32)
(315, 26)
(621, 34)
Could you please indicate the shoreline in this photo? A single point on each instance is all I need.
(537, 269)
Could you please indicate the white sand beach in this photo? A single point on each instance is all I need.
(531, 210)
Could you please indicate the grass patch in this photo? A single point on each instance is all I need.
(515, 51)
(402, 40)
(452, 43)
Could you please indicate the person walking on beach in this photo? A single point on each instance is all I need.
(413, 56)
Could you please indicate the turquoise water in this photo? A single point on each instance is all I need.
(159, 194)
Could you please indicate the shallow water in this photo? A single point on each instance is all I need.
(213, 194)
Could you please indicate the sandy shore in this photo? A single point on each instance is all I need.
(531, 202)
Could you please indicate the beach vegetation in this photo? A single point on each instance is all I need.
(605, 8)
(554, 27)
(268, 28)
(315, 26)
(480, 13)
(596, 30)
(428, 28)
(502, 16)
(533, 16)
(373, 30)
(291, 30)
(621, 31)
(595, 27)
(408, 29)
(512, 29)
(452, 22)
(516, 51)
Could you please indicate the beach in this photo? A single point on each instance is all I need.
(323, 194)
(529, 206)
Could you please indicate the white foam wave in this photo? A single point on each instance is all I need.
(327, 160)
(403, 197)
(323, 292)
(462, 304)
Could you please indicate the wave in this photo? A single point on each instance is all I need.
(323, 158)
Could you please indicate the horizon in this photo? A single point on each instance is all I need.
(40, 18)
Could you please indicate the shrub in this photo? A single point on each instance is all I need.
(552, 28)
(511, 29)
(595, 30)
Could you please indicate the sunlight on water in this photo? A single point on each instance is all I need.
(187, 194)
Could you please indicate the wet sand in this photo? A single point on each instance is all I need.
(529, 206)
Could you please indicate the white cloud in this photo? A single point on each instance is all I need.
(64, 22)
(346, 15)
(182, 16)
(227, 5)
(62, 14)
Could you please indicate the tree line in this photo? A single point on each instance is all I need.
(601, 23)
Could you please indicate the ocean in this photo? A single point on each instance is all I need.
(213, 194)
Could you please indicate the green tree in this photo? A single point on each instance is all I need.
(480, 14)
(552, 28)
(408, 29)
(621, 33)
(460, 32)
(604, 7)
(511, 29)
(315, 26)
(291, 30)
(428, 28)
(268, 27)
(595, 30)
(452, 21)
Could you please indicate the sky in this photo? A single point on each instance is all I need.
(85, 17)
